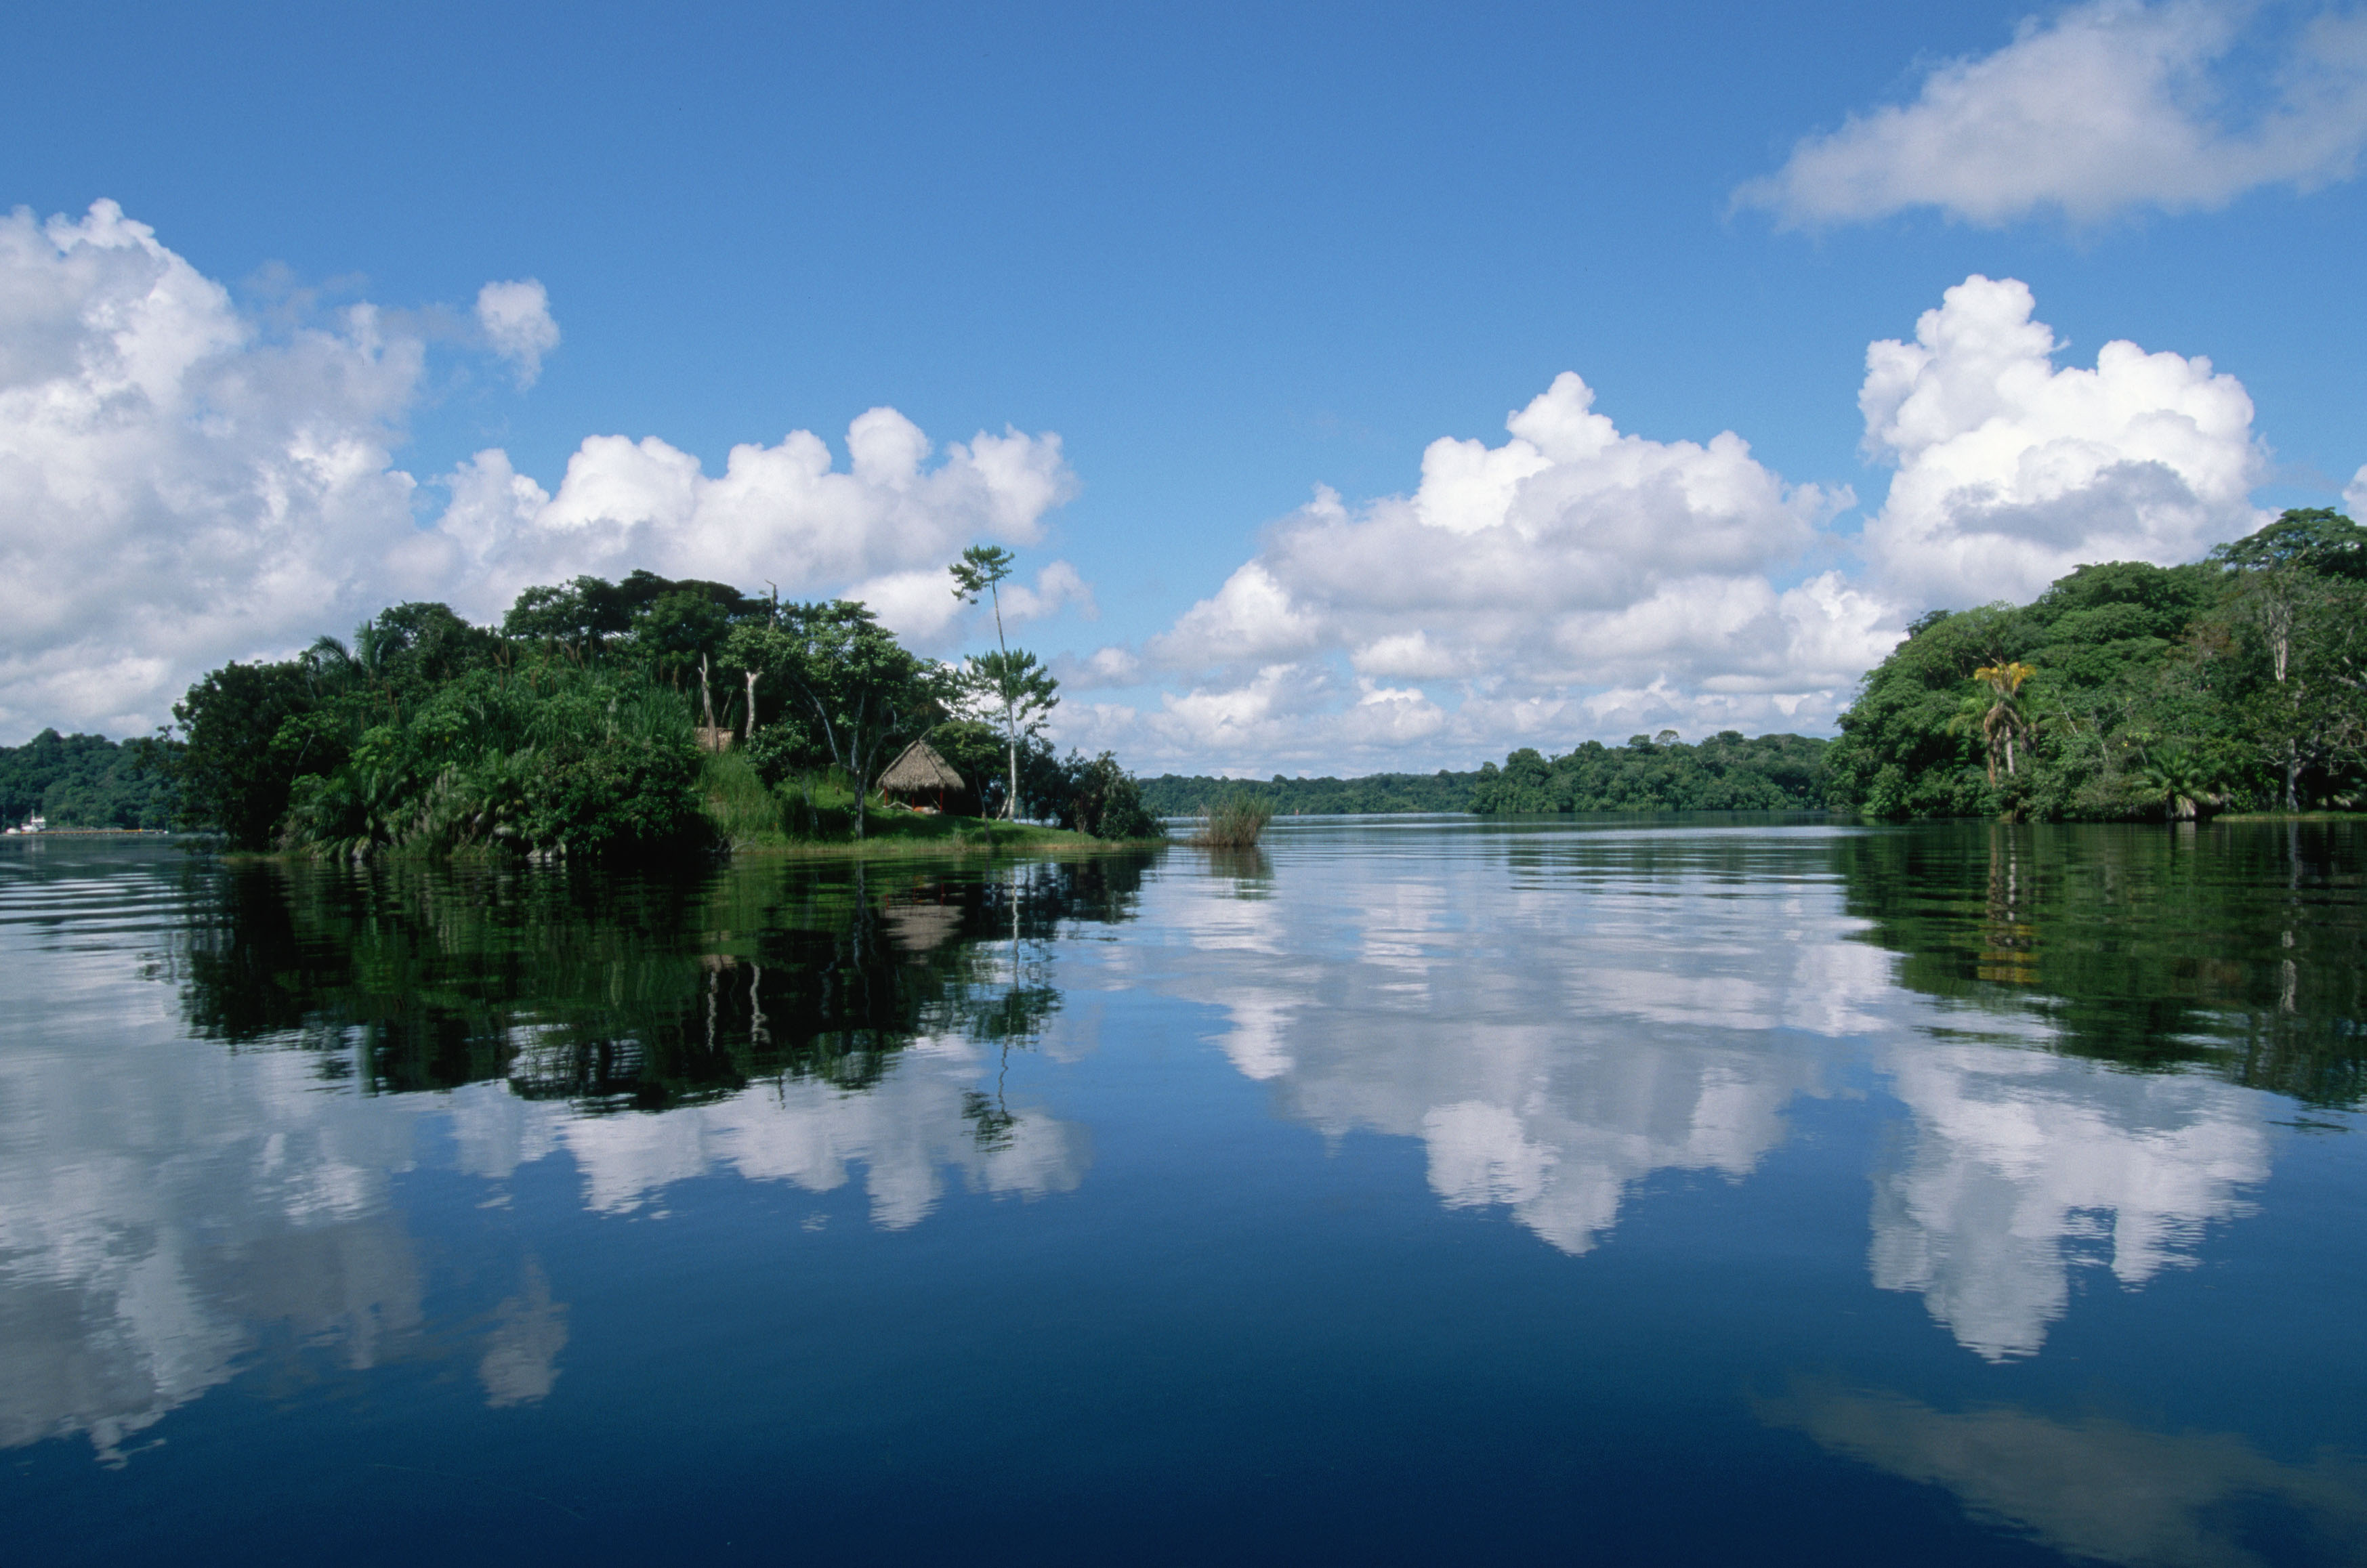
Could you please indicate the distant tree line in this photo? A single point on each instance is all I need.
(2130, 690)
(612, 716)
(1725, 773)
(1728, 771)
(1176, 795)
(85, 780)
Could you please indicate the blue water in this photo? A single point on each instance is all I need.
(1697, 1191)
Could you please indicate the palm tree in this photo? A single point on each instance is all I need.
(2183, 783)
(2002, 716)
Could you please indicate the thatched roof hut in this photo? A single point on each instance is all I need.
(920, 774)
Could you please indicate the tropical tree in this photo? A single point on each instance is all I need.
(865, 696)
(2001, 717)
(1015, 682)
(2183, 783)
(244, 741)
(2296, 584)
(1019, 688)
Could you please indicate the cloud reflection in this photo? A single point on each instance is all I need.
(161, 1203)
(2019, 1167)
(906, 1130)
(2096, 1490)
(1551, 1044)
(521, 1359)
(1556, 1019)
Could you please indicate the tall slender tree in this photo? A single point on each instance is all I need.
(1012, 684)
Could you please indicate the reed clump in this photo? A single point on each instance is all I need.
(1234, 823)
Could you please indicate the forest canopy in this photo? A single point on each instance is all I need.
(85, 780)
(2130, 690)
(1659, 773)
(600, 717)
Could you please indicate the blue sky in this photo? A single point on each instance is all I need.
(1225, 256)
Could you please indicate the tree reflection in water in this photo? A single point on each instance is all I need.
(176, 1206)
(2236, 946)
(617, 991)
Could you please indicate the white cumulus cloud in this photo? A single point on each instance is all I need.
(2011, 471)
(175, 489)
(2109, 106)
(515, 318)
(180, 486)
(886, 524)
(1519, 584)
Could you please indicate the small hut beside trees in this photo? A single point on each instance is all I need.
(921, 779)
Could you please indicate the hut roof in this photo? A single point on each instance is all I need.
(920, 768)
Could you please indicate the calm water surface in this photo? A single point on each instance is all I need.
(1698, 1190)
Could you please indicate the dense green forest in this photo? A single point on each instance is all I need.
(2129, 691)
(1177, 794)
(1660, 772)
(1728, 773)
(590, 721)
(85, 780)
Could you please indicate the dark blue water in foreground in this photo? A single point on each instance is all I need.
(1686, 1191)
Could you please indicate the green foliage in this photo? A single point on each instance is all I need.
(1175, 795)
(1015, 685)
(2150, 691)
(850, 684)
(1725, 773)
(556, 758)
(248, 732)
(570, 729)
(86, 781)
(1235, 822)
(660, 622)
(1006, 682)
(2316, 538)
(981, 569)
(742, 807)
(1098, 796)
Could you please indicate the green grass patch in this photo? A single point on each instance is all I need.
(814, 816)
(892, 833)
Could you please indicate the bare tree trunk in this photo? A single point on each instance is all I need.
(752, 709)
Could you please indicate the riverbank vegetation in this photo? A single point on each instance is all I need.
(1661, 773)
(2128, 690)
(1235, 822)
(1180, 795)
(85, 780)
(599, 717)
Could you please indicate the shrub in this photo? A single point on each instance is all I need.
(1101, 798)
(1234, 822)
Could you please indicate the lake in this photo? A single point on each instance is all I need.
(1687, 1191)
